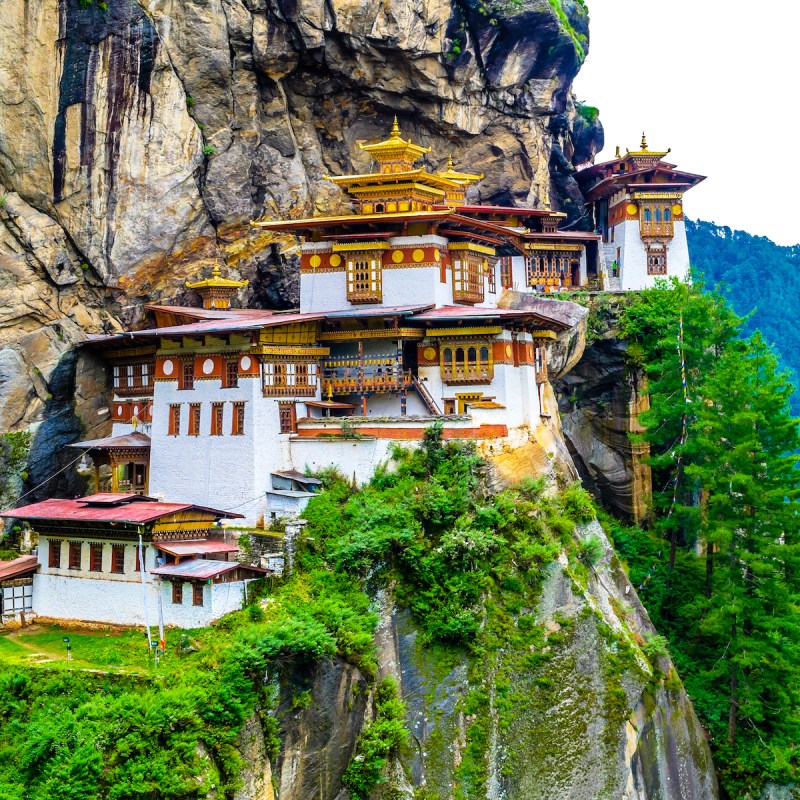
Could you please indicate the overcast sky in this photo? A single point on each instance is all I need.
(719, 83)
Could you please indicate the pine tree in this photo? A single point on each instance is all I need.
(740, 450)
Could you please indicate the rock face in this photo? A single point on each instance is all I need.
(155, 131)
(600, 400)
(584, 722)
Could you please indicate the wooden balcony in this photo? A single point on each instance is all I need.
(134, 390)
(469, 372)
(468, 295)
(285, 390)
(660, 230)
(354, 375)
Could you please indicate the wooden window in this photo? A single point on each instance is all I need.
(137, 567)
(197, 594)
(216, 418)
(288, 417)
(118, 558)
(230, 378)
(174, 420)
(364, 277)
(656, 262)
(54, 554)
(467, 278)
(187, 374)
(96, 557)
(493, 278)
(75, 555)
(467, 362)
(449, 406)
(177, 593)
(116, 376)
(237, 423)
(281, 378)
(506, 272)
(194, 419)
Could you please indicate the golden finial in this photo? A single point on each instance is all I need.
(644, 141)
(216, 271)
(547, 198)
(618, 154)
(395, 128)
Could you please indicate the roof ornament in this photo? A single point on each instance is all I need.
(644, 141)
(395, 128)
(618, 154)
(216, 291)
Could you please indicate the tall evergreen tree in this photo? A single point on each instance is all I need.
(740, 450)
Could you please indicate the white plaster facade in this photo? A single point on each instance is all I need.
(625, 239)
(119, 598)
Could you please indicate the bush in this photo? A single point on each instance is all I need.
(380, 739)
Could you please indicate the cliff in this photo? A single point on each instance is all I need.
(590, 713)
(137, 140)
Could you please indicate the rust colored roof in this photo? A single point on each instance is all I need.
(202, 569)
(448, 313)
(128, 440)
(248, 322)
(327, 404)
(195, 547)
(510, 210)
(116, 498)
(85, 510)
(210, 313)
(18, 567)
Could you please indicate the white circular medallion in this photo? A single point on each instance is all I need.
(208, 366)
(119, 411)
(168, 367)
(245, 362)
(135, 411)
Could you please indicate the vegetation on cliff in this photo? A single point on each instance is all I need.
(720, 570)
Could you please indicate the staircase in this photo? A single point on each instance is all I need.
(425, 396)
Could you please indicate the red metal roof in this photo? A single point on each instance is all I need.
(202, 569)
(195, 547)
(127, 441)
(18, 567)
(116, 498)
(251, 322)
(447, 313)
(210, 313)
(136, 513)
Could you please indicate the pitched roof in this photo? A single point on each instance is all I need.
(91, 509)
(128, 441)
(18, 567)
(195, 547)
(202, 569)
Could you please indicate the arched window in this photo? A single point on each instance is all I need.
(472, 355)
(667, 215)
(647, 215)
(447, 356)
(460, 355)
(658, 215)
(379, 208)
(484, 355)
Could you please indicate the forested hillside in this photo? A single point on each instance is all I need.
(757, 275)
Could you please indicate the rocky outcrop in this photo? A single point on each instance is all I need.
(587, 715)
(154, 132)
(599, 401)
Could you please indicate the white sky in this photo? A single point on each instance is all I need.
(718, 81)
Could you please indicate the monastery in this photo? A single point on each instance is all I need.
(225, 413)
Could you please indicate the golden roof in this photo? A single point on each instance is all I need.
(451, 174)
(216, 281)
(645, 153)
(395, 148)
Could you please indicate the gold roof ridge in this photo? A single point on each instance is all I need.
(216, 281)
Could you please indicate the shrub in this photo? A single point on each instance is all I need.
(209, 150)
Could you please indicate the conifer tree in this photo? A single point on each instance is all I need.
(740, 450)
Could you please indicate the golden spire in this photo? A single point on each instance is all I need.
(216, 291)
(644, 141)
(547, 198)
(618, 154)
(463, 178)
(395, 128)
(395, 149)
